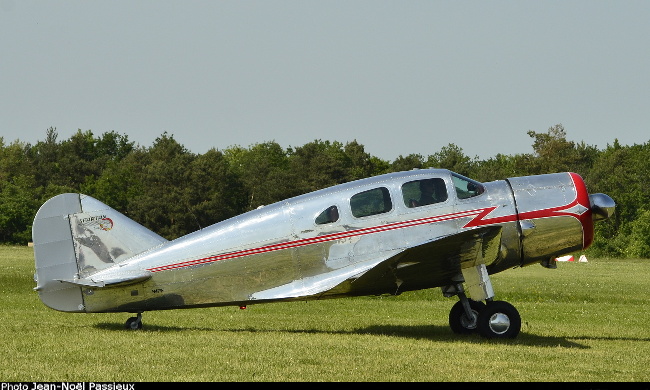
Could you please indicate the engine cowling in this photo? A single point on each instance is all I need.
(556, 214)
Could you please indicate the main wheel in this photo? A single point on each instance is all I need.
(133, 323)
(499, 319)
(458, 320)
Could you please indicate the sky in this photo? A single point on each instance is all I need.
(399, 77)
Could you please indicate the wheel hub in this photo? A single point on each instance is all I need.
(469, 323)
(499, 323)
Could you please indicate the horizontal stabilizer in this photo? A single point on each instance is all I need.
(122, 279)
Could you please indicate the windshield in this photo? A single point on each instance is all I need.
(466, 188)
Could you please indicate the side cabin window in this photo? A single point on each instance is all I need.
(371, 202)
(424, 192)
(466, 188)
(329, 215)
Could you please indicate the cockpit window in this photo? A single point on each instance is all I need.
(466, 188)
(423, 192)
(371, 202)
(329, 215)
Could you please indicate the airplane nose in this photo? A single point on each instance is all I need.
(602, 206)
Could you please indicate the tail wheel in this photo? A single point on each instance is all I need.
(458, 320)
(134, 323)
(499, 319)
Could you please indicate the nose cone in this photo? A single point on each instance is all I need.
(602, 206)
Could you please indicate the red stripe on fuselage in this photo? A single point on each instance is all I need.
(321, 239)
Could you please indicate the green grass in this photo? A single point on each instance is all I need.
(581, 322)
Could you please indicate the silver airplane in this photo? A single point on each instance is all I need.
(381, 235)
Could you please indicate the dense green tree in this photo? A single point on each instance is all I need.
(500, 167)
(555, 154)
(260, 168)
(70, 162)
(45, 158)
(85, 156)
(319, 164)
(639, 238)
(407, 163)
(623, 173)
(163, 204)
(17, 209)
(14, 161)
(453, 158)
(213, 190)
(380, 166)
(361, 163)
(118, 183)
(113, 146)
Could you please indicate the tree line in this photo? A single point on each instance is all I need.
(173, 191)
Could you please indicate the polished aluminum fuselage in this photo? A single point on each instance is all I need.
(278, 252)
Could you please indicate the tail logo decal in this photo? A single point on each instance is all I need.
(106, 224)
(100, 222)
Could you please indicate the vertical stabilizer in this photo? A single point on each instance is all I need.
(75, 236)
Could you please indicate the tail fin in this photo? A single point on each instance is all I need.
(75, 236)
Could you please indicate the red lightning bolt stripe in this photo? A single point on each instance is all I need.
(579, 208)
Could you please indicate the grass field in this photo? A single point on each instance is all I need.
(581, 322)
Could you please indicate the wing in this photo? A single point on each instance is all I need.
(433, 263)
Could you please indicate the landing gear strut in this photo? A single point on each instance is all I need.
(463, 320)
(493, 319)
(134, 323)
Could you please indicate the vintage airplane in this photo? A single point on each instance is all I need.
(381, 235)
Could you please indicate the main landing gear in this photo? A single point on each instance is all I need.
(493, 319)
(134, 323)
(496, 319)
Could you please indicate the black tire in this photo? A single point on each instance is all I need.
(133, 323)
(499, 320)
(458, 321)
